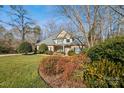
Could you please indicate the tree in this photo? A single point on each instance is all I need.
(2, 31)
(24, 47)
(95, 22)
(8, 36)
(33, 36)
(37, 32)
(75, 13)
(19, 19)
(50, 27)
(118, 9)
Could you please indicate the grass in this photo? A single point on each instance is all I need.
(20, 72)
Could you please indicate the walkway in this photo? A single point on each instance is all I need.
(2, 55)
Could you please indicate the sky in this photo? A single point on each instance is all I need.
(39, 13)
(42, 13)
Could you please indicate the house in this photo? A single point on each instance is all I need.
(63, 42)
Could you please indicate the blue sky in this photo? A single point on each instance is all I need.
(40, 14)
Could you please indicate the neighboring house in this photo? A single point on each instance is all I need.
(63, 42)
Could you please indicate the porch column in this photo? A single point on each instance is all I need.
(63, 48)
(53, 48)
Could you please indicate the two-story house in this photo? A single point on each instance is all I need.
(62, 42)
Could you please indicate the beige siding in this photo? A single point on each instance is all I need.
(62, 34)
(72, 47)
(68, 36)
(37, 47)
(51, 48)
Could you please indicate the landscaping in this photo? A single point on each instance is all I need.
(85, 49)
(25, 48)
(58, 70)
(21, 72)
(97, 67)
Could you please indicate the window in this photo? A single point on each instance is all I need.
(67, 40)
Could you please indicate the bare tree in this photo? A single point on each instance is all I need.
(19, 19)
(82, 16)
(118, 9)
(8, 36)
(50, 27)
(2, 31)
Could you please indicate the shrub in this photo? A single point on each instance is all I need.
(43, 49)
(69, 68)
(71, 53)
(48, 65)
(24, 47)
(85, 50)
(3, 49)
(103, 74)
(112, 50)
(61, 65)
(49, 52)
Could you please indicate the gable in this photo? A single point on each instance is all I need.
(52, 40)
(63, 34)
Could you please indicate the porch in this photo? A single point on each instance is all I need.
(63, 48)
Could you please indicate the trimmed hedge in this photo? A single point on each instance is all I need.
(24, 47)
(43, 49)
(112, 50)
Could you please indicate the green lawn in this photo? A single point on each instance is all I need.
(20, 71)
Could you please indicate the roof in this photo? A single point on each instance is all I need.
(50, 40)
(64, 34)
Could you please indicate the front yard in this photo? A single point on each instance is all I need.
(20, 71)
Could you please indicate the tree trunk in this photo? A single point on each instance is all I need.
(23, 35)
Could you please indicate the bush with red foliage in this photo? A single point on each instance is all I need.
(48, 65)
(64, 65)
